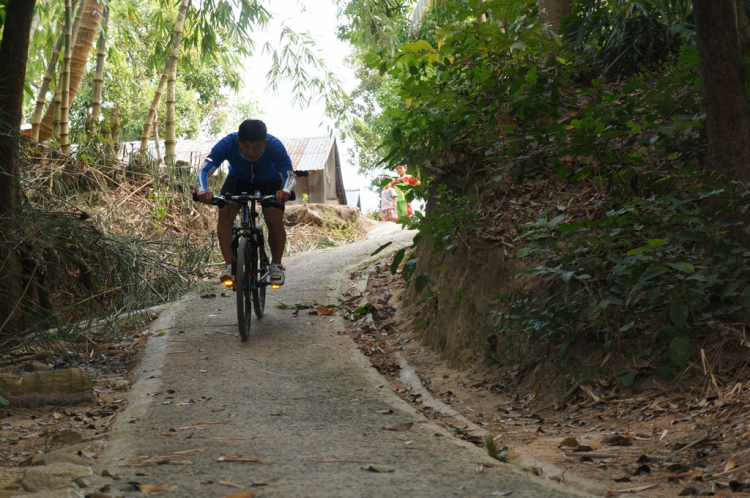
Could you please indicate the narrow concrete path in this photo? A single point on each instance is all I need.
(297, 396)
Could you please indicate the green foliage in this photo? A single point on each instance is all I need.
(449, 222)
(659, 268)
(160, 204)
(297, 62)
(625, 36)
(376, 24)
(525, 320)
(137, 38)
(3, 401)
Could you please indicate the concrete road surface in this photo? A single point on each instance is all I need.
(294, 411)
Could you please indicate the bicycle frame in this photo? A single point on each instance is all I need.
(250, 264)
(249, 226)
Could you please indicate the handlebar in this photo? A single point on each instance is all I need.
(242, 198)
(237, 199)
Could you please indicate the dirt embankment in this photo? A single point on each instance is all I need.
(656, 440)
(316, 226)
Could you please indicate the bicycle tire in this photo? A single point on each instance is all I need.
(242, 284)
(260, 263)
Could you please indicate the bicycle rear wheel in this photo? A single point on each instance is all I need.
(242, 284)
(260, 269)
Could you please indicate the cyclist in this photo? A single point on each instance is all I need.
(257, 161)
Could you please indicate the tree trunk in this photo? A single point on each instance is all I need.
(65, 80)
(170, 138)
(41, 98)
(101, 52)
(743, 26)
(83, 43)
(553, 11)
(14, 50)
(727, 109)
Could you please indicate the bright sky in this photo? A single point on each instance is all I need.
(284, 120)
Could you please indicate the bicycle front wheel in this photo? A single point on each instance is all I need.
(260, 270)
(242, 285)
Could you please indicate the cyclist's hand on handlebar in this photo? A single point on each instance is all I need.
(282, 197)
(206, 197)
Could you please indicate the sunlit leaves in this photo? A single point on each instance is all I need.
(297, 60)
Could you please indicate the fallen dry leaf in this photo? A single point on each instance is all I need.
(569, 441)
(590, 392)
(631, 490)
(182, 453)
(379, 468)
(150, 489)
(400, 427)
(731, 463)
(674, 476)
(230, 484)
(323, 310)
(141, 339)
(241, 460)
(242, 494)
(731, 471)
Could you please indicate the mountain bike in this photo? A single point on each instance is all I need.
(249, 259)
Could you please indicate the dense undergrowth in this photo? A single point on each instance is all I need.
(100, 240)
(594, 181)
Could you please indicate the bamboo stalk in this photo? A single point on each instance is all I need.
(65, 103)
(83, 38)
(152, 112)
(101, 52)
(156, 140)
(171, 135)
(56, 112)
(41, 97)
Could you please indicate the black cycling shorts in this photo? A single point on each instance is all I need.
(235, 186)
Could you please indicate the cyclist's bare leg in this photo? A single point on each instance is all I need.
(227, 214)
(276, 232)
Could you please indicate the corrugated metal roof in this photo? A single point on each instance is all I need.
(352, 197)
(308, 154)
(192, 151)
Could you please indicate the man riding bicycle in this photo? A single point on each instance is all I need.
(257, 162)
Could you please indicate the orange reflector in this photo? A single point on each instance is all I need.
(228, 283)
(275, 286)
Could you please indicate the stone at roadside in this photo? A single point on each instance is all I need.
(321, 214)
(60, 457)
(11, 493)
(55, 493)
(68, 386)
(50, 477)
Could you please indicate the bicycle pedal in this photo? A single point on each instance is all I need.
(228, 283)
(276, 286)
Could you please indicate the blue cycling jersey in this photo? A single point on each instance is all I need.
(273, 165)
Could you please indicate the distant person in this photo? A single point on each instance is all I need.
(388, 203)
(403, 208)
(257, 161)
